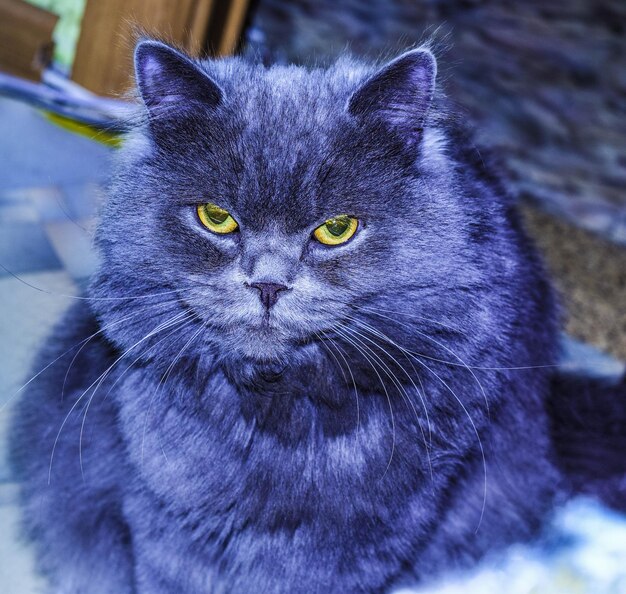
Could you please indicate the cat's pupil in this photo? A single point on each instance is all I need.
(338, 226)
(217, 216)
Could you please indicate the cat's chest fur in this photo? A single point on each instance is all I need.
(216, 474)
(231, 489)
(205, 444)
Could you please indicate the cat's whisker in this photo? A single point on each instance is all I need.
(382, 383)
(332, 343)
(405, 395)
(100, 382)
(162, 382)
(83, 297)
(476, 432)
(443, 346)
(421, 394)
(181, 325)
(410, 354)
(79, 399)
(103, 330)
(332, 354)
(80, 343)
(473, 425)
(463, 333)
(34, 377)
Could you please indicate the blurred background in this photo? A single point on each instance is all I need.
(542, 83)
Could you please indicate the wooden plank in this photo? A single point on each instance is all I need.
(104, 53)
(25, 38)
(198, 26)
(227, 22)
(110, 28)
(233, 27)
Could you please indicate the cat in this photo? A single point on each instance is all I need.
(318, 353)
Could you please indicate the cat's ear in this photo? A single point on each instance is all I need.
(169, 81)
(400, 93)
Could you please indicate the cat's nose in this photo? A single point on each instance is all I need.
(269, 292)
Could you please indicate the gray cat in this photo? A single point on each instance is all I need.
(318, 354)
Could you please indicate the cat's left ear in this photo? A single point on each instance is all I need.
(169, 81)
(400, 93)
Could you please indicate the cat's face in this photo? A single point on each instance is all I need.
(275, 202)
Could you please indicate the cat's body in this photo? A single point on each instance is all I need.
(386, 420)
(210, 498)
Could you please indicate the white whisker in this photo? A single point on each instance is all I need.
(405, 395)
(342, 355)
(475, 429)
(56, 440)
(162, 382)
(382, 383)
(443, 346)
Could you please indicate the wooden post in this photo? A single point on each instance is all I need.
(103, 62)
(226, 26)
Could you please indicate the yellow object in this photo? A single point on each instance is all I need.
(103, 136)
(337, 230)
(216, 219)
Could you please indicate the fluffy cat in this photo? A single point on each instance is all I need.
(316, 355)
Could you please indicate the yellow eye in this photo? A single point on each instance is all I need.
(337, 230)
(216, 219)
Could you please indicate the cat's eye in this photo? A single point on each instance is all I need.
(216, 219)
(337, 230)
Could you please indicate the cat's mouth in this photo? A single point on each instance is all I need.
(265, 336)
(266, 326)
(265, 341)
(270, 341)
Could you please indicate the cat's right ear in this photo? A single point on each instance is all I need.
(399, 94)
(169, 81)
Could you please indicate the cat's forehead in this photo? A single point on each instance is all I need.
(289, 119)
(283, 147)
(289, 96)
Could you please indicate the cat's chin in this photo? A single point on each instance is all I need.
(267, 351)
(261, 348)
(263, 354)
(262, 344)
(261, 371)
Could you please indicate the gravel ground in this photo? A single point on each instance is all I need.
(590, 273)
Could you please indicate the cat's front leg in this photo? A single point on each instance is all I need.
(103, 565)
(83, 542)
(73, 511)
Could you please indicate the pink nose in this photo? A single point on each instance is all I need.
(269, 292)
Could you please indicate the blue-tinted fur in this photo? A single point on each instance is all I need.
(371, 429)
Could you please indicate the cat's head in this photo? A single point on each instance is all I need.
(271, 204)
